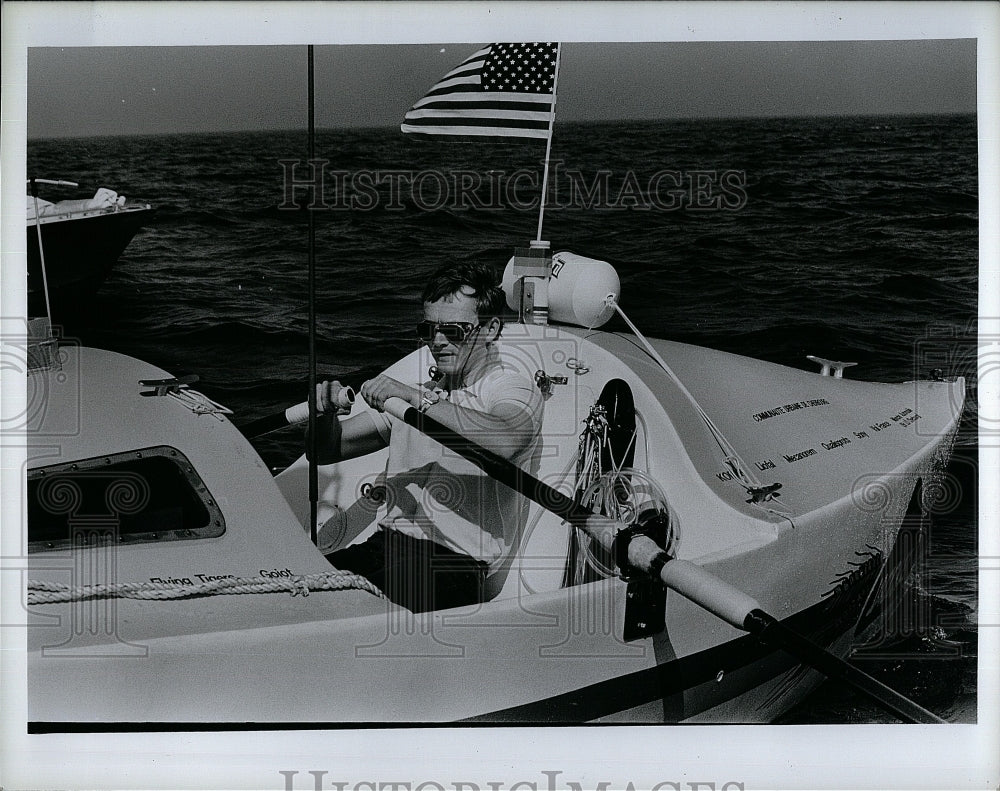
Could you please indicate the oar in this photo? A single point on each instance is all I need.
(691, 581)
(294, 414)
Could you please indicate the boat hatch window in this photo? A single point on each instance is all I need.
(141, 496)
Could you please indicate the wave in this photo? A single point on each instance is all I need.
(234, 332)
(918, 286)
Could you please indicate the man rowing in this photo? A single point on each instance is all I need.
(447, 525)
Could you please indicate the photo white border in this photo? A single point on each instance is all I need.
(812, 756)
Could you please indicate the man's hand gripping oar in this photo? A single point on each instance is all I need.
(332, 398)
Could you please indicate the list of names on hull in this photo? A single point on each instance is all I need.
(904, 417)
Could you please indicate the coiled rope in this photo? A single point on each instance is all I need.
(40, 592)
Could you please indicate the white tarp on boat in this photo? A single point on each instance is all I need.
(104, 198)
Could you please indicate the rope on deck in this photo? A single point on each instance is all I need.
(40, 592)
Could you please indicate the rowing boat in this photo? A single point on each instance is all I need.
(791, 486)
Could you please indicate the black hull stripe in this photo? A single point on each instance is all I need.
(823, 623)
(636, 689)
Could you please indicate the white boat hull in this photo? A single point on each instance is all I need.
(538, 651)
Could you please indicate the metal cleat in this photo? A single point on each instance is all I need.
(162, 387)
(827, 366)
(545, 381)
(763, 494)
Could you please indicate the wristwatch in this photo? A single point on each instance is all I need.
(427, 399)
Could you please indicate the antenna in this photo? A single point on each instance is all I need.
(311, 214)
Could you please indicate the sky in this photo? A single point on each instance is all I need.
(80, 91)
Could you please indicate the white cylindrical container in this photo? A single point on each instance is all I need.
(582, 291)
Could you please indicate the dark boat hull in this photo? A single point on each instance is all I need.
(80, 252)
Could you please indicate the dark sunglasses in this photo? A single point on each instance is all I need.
(453, 331)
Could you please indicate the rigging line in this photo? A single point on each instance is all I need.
(41, 253)
(746, 477)
(617, 468)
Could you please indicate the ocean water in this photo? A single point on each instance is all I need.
(850, 238)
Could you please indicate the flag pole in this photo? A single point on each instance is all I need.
(548, 145)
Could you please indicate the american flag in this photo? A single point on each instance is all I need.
(503, 90)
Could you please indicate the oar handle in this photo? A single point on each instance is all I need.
(708, 591)
(298, 413)
(397, 407)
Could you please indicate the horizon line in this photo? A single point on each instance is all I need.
(604, 121)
